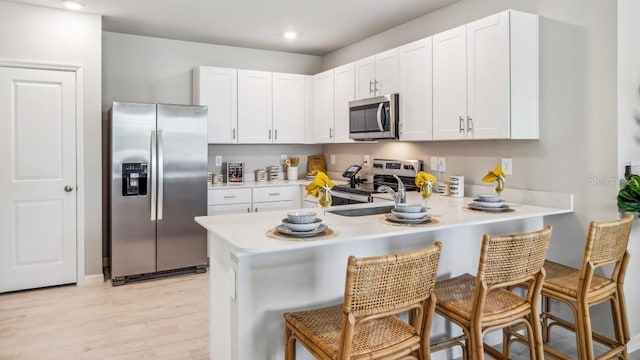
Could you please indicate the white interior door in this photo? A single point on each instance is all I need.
(38, 178)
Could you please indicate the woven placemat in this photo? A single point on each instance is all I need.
(506, 211)
(432, 222)
(327, 234)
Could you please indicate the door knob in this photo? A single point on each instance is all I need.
(68, 188)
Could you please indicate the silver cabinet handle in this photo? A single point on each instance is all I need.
(248, 210)
(256, 210)
(160, 175)
(330, 133)
(269, 134)
(276, 134)
(469, 124)
(461, 124)
(375, 86)
(234, 133)
(370, 86)
(230, 197)
(68, 188)
(274, 194)
(154, 170)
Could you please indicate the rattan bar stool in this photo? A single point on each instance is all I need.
(485, 302)
(365, 326)
(581, 288)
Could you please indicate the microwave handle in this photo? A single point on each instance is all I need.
(379, 116)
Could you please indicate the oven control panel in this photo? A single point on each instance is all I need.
(407, 168)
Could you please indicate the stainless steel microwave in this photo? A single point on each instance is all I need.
(374, 118)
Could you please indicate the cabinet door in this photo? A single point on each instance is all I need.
(386, 80)
(488, 78)
(217, 88)
(450, 84)
(288, 108)
(229, 209)
(416, 89)
(323, 105)
(344, 92)
(254, 107)
(365, 77)
(272, 206)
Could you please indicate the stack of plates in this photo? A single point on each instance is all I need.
(408, 214)
(301, 224)
(489, 202)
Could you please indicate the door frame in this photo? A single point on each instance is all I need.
(81, 278)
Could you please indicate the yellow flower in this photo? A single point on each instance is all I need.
(494, 174)
(320, 184)
(423, 177)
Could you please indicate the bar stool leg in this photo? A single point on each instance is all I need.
(584, 329)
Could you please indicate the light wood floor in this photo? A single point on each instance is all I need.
(158, 319)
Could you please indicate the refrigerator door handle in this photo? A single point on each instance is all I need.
(153, 175)
(160, 175)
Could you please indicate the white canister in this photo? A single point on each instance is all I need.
(456, 185)
(442, 188)
(292, 173)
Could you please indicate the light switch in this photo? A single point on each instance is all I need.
(218, 160)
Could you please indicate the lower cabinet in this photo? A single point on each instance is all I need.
(257, 199)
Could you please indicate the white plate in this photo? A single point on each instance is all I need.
(409, 215)
(489, 209)
(320, 229)
(486, 204)
(394, 218)
(489, 197)
(301, 227)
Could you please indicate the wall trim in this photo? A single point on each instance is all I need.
(80, 197)
(91, 280)
(634, 344)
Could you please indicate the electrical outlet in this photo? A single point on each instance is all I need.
(218, 160)
(434, 163)
(333, 159)
(365, 161)
(507, 166)
(441, 164)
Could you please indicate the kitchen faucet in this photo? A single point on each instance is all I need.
(400, 197)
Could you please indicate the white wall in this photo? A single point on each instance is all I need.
(147, 69)
(629, 132)
(578, 149)
(43, 35)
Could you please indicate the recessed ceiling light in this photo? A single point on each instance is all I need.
(72, 4)
(290, 35)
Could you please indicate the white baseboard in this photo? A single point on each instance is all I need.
(92, 279)
(634, 344)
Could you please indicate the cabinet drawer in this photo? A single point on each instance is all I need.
(274, 193)
(229, 209)
(228, 196)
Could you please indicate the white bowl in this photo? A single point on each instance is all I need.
(302, 227)
(489, 197)
(409, 215)
(301, 217)
(409, 208)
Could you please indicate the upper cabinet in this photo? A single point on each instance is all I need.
(289, 108)
(323, 107)
(255, 107)
(217, 88)
(344, 91)
(377, 75)
(415, 87)
(485, 79)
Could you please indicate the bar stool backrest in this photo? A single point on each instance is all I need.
(607, 241)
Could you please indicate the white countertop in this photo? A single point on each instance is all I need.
(247, 233)
(252, 184)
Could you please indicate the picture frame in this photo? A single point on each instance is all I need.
(235, 173)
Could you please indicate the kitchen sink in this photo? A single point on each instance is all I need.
(363, 211)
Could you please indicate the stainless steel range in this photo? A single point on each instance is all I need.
(358, 191)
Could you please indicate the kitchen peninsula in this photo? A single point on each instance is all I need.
(255, 277)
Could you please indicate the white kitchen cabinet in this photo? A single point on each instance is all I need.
(377, 75)
(323, 107)
(274, 197)
(217, 88)
(255, 107)
(344, 91)
(289, 111)
(485, 79)
(228, 201)
(416, 90)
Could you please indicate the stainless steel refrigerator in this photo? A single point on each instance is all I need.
(158, 156)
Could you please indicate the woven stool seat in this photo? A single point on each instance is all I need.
(366, 325)
(485, 302)
(565, 280)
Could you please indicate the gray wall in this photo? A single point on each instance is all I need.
(577, 151)
(43, 35)
(147, 69)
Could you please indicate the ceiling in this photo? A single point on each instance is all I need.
(322, 26)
